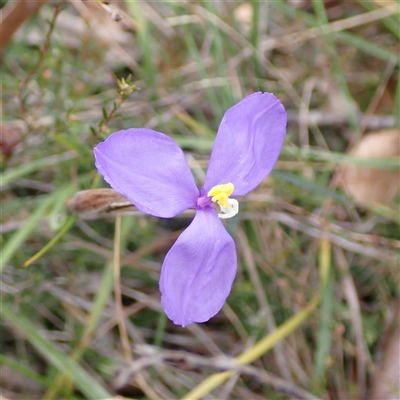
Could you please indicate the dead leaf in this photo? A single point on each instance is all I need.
(371, 185)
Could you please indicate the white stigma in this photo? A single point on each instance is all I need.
(231, 210)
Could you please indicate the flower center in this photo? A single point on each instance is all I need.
(220, 194)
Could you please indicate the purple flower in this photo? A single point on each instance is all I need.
(150, 170)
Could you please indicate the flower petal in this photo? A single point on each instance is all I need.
(248, 143)
(149, 169)
(198, 271)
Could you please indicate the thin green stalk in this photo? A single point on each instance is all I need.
(64, 229)
(16, 240)
(119, 309)
(254, 34)
(324, 334)
(145, 40)
(337, 71)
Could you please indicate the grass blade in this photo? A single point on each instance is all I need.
(35, 165)
(324, 332)
(83, 381)
(15, 242)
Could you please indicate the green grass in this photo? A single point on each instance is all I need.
(186, 63)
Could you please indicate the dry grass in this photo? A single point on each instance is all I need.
(316, 292)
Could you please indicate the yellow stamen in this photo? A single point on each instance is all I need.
(220, 194)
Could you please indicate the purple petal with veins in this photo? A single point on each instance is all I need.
(149, 169)
(248, 143)
(198, 271)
